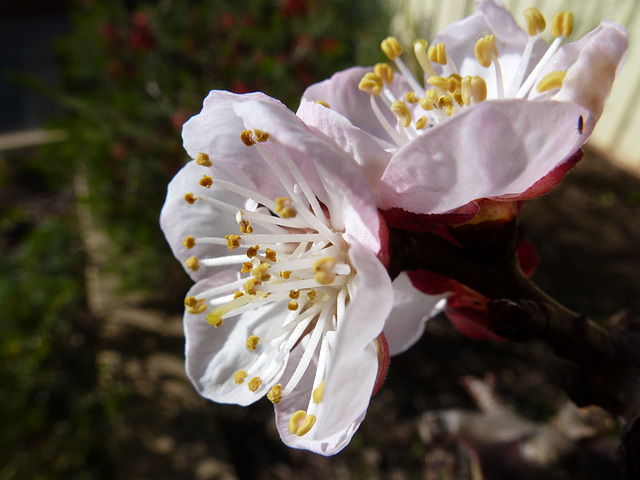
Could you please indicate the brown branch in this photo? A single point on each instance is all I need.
(606, 362)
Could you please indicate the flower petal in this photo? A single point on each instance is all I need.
(411, 310)
(497, 148)
(353, 365)
(214, 355)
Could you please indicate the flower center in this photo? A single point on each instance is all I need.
(448, 92)
(291, 258)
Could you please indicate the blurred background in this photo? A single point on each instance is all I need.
(93, 96)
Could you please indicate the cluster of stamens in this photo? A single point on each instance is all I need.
(448, 93)
(302, 262)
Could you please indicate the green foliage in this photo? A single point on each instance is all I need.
(55, 417)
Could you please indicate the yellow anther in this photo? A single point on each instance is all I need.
(294, 294)
(300, 423)
(194, 306)
(455, 82)
(250, 286)
(238, 294)
(439, 82)
(420, 51)
(275, 394)
(253, 251)
(562, 24)
(285, 208)
(486, 50)
(260, 272)
(384, 71)
(214, 317)
(457, 97)
(260, 136)
(551, 81)
(247, 138)
(245, 226)
(323, 103)
(293, 305)
(421, 122)
(473, 88)
(371, 83)
(246, 267)
(239, 376)
(189, 198)
(286, 274)
(203, 159)
(402, 112)
(254, 384)
(233, 241)
(429, 101)
(192, 263)
(535, 21)
(445, 103)
(410, 97)
(312, 294)
(206, 181)
(391, 47)
(189, 242)
(252, 342)
(324, 270)
(438, 53)
(266, 295)
(270, 254)
(318, 393)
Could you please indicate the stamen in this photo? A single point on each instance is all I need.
(323, 103)
(253, 251)
(260, 136)
(421, 123)
(270, 254)
(485, 50)
(391, 48)
(239, 376)
(318, 393)
(420, 51)
(214, 317)
(324, 270)
(300, 423)
(551, 81)
(245, 226)
(473, 88)
(189, 242)
(194, 306)
(247, 138)
(395, 136)
(252, 342)
(293, 305)
(254, 384)
(189, 198)
(260, 272)
(371, 83)
(410, 97)
(275, 394)
(233, 241)
(384, 72)
(535, 21)
(439, 82)
(192, 263)
(438, 53)
(402, 112)
(562, 24)
(203, 159)
(285, 208)
(429, 101)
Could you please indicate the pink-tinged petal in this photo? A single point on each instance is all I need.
(216, 129)
(468, 322)
(215, 354)
(597, 58)
(338, 183)
(496, 148)
(298, 399)
(344, 97)
(546, 183)
(424, 222)
(367, 150)
(180, 219)
(411, 310)
(353, 366)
